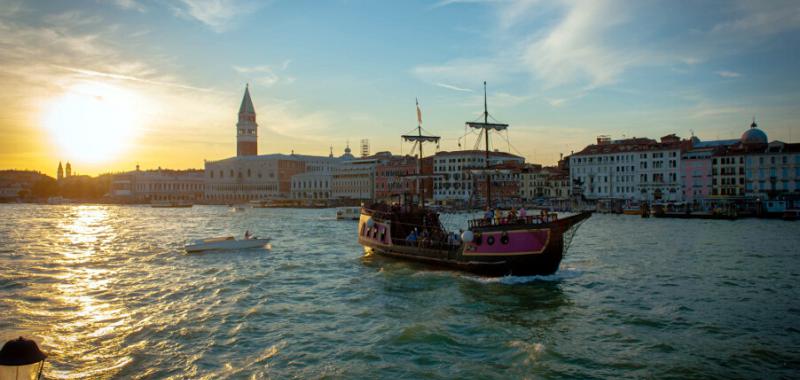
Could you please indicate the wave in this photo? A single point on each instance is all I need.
(563, 274)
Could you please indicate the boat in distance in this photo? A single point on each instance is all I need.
(226, 243)
(348, 213)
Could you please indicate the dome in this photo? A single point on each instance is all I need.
(754, 135)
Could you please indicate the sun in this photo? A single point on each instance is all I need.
(93, 122)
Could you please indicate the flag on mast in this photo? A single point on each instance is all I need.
(419, 113)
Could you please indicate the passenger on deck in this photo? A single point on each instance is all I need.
(522, 213)
(512, 216)
(425, 237)
(412, 237)
(498, 216)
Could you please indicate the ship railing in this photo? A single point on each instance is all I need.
(510, 221)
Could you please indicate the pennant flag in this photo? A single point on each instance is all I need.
(419, 113)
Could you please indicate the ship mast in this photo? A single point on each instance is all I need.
(486, 132)
(419, 164)
(419, 139)
(485, 127)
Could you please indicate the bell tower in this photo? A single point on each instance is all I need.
(246, 128)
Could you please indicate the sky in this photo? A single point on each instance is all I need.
(111, 84)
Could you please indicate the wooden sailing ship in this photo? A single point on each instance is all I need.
(514, 245)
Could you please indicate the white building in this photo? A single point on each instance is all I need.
(631, 169)
(773, 171)
(316, 183)
(145, 186)
(354, 179)
(453, 181)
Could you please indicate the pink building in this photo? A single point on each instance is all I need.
(696, 173)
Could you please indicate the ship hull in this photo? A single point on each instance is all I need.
(496, 250)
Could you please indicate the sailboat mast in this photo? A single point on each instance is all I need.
(486, 131)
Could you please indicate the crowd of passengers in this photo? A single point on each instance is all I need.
(428, 239)
(493, 217)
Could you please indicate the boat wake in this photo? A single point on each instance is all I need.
(563, 274)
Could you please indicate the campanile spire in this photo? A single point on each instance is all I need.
(246, 128)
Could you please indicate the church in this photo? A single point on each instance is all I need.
(249, 176)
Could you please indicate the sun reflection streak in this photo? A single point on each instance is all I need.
(92, 328)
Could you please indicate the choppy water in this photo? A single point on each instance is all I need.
(108, 292)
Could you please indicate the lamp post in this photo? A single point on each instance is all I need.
(21, 359)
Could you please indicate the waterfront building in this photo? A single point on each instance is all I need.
(145, 186)
(537, 182)
(354, 180)
(774, 171)
(249, 176)
(696, 168)
(532, 179)
(629, 169)
(11, 192)
(317, 180)
(395, 177)
(505, 180)
(454, 181)
(756, 168)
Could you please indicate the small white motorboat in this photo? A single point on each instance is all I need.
(226, 243)
(348, 213)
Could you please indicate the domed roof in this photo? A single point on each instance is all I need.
(754, 135)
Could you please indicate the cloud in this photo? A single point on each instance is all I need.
(444, 3)
(98, 74)
(451, 87)
(577, 46)
(728, 74)
(755, 19)
(266, 75)
(577, 50)
(216, 14)
(129, 4)
(464, 71)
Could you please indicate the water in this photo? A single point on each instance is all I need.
(109, 293)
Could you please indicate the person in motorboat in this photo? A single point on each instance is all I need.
(248, 235)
